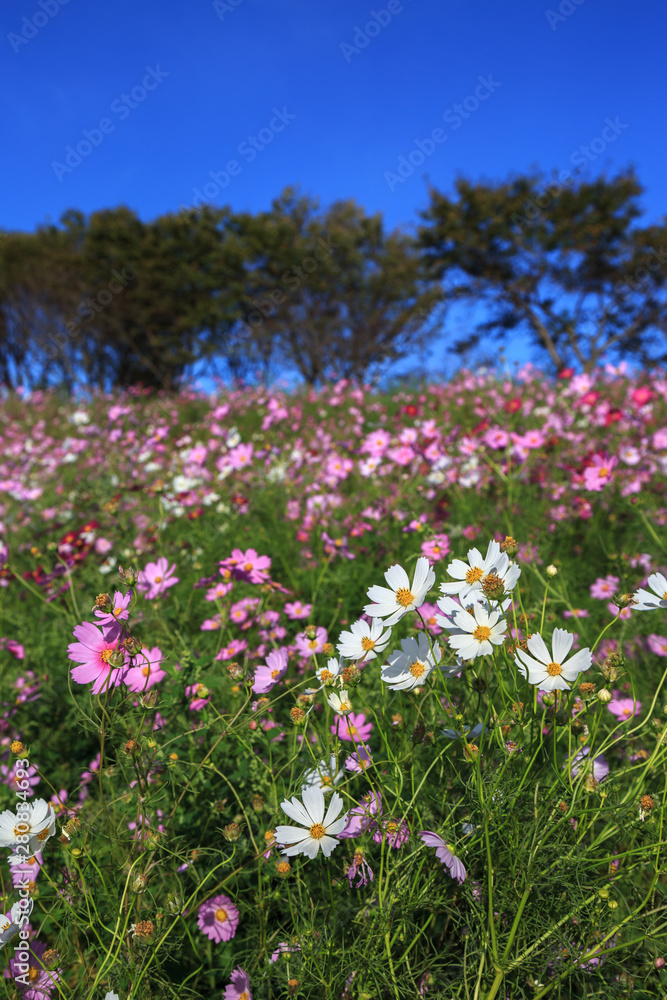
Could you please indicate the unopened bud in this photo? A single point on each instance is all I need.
(139, 883)
(18, 748)
(149, 699)
(117, 658)
(603, 893)
(551, 571)
(548, 699)
(202, 691)
(231, 832)
(311, 631)
(257, 803)
(235, 670)
(132, 644)
(659, 963)
(128, 576)
(604, 696)
(624, 600)
(174, 902)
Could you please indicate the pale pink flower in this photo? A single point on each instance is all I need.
(156, 578)
(218, 919)
(93, 652)
(599, 473)
(604, 587)
(657, 644)
(268, 674)
(147, 670)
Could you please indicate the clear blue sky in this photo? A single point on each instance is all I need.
(218, 74)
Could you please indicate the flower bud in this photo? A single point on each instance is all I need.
(117, 658)
(604, 696)
(603, 893)
(659, 963)
(493, 586)
(235, 670)
(174, 902)
(257, 803)
(328, 649)
(202, 691)
(297, 715)
(283, 868)
(139, 883)
(132, 644)
(548, 699)
(551, 570)
(18, 748)
(149, 699)
(311, 631)
(128, 576)
(624, 600)
(231, 832)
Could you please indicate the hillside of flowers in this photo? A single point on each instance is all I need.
(335, 693)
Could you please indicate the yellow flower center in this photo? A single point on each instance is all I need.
(158, 579)
(326, 676)
(275, 674)
(346, 707)
(221, 915)
(269, 835)
(313, 643)
(352, 730)
(392, 827)
(481, 633)
(417, 668)
(367, 643)
(244, 995)
(105, 655)
(327, 780)
(248, 567)
(602, 472)
(117, 612)
(554, 669)
(404, 597)
(21, 828)
(43, 834)
(474, 575)
(317, 831)
(33, 973)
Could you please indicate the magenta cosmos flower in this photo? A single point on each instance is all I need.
(352, 727)
(119, 609)
(444, 853)
(269, 673)
(147, 672)
(93, 652)
(396, 833)
(218, 919)
(247, 566)
(156, 578)
(239, 988)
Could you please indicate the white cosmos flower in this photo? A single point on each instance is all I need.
(341, 704)
(11, 923)
(548, 670)
(471, 576)
(37, 822)
(409, 667)
(646, 601)
(324, 776)
(364, 641)
(320, 831)
(477, 631)
(334, 668)
(393, 603)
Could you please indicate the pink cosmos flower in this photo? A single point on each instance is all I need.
(18, 783)
(241, 456)
(93, 652)
(239, 988)
(197, 702)
(659, 439)
(429, 613)
(495, 437)
(282, 949)
(435, 548)
(147, 672)
(268, 674)
(353, 728)
(310, 647)
(219, 591)
(642, 395)
(24, 869)
(657, 644)
(13, 647)
(156, 578)
(359, 761)
(218, 919)
(360, 818)
(247, 566)
(624, 708)
(235, 647)
(623, 613)
(599, 473)
(41, 981)
(119, 609)
(444, 853)
(295, 610)
(599, 766)
(396, 833)
(576, 613)
(604, 587)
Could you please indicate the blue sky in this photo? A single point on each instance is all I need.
(185, 86)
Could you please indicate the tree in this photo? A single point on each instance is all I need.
(561, 261)
(331, 293)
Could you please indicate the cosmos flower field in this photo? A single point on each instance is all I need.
(336, 693)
